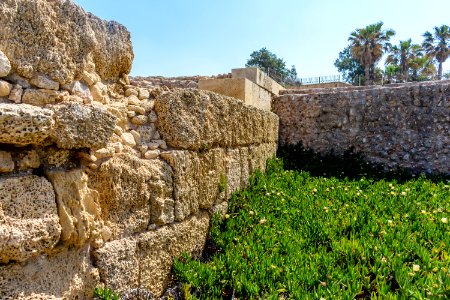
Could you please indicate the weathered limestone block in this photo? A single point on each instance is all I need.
(233, 171)
(41, 97)
(43, 82)
(80, 126)
(195, 120)
(66, 275)
(118, 264)
(24, 124)
(158, 249)
(67, 40)
(29, 223)
(77, 206)
(128, 189)
(197, 178)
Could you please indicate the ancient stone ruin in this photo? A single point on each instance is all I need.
(106, 180)
(103, 181)
(403, 127)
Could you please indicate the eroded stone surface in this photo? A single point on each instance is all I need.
(66, 275)
(398, 127)
(77, 206)
(79, 126)
(198, 120)
(118, 264)
(24, 124)
(128, 188)
(158, 249)
(67, 41)
(197, 178)
(29, 223)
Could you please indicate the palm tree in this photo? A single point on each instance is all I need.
(391, 70)
(368, 45)
(422, 68)
(437, 45)
(402, 54)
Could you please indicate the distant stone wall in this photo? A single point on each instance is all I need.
(102, 181)
(403, 127)
(183, 82)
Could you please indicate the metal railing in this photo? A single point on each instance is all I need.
(320, 79)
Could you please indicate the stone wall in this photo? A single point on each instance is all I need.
(169, 83)
(402, 127)
(102, 181)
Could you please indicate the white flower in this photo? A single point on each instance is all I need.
(444, 220)
(416, 268)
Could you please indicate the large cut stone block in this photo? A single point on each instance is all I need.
(80, 126)
(198, 120)
(66, 40)
(29, 223)
(258, 77)
(197, 179)
(23, 124)
(133, 193)
(118, 264)
(239, 88)
(158, 249)
(78, 209)
(66, 275)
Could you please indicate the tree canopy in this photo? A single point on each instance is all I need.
(368, 45)
(274, 66)
(350, 68)
(437, 45)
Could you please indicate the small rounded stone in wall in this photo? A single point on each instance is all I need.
(5, 65)
(131, 91)
(128, 139)
(99, 93)
(143, 94)
(150, 154)
(136, 109)
(137, 136)
(16, 94)
(5, 88)
(90, 78)
(139, 120)
(133, 100)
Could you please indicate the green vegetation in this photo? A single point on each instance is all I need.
(222, 183)
(105, 294)
(351, 69)
(301, 236)
(275, 67)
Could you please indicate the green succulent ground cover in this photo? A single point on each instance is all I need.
(301, 236)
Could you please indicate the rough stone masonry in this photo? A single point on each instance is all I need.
(399, 127)
(103, 181)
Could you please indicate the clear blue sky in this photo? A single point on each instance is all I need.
(193, 37)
